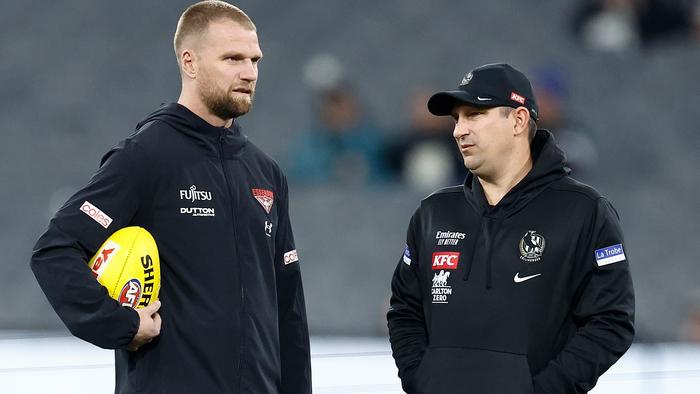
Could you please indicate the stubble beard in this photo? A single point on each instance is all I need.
(222, 104)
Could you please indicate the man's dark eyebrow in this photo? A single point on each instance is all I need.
(239, 56)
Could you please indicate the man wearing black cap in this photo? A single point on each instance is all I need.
(516, 281)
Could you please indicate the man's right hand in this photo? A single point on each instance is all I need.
(149, 326)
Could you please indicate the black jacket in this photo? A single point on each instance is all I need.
(233, 311)
(531, 295)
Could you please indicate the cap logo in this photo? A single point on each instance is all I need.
(517, 98)
(467, 78)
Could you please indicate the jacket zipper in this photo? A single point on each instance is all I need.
(222, 160)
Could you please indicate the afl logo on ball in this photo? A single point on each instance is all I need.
(531, 247)
(131, 293)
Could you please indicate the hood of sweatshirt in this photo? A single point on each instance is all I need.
(549, 165)
(187, 122)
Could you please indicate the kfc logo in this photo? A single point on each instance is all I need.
(445, 260)
(517, 98)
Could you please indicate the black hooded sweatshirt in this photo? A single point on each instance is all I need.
(531, 295)
(233, 314)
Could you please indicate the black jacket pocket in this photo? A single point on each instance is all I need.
(454, 370)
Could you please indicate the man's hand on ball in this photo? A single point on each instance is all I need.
(149, 326)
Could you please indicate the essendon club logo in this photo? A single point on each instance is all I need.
(517, 98)
(445, 260)
(265, 197)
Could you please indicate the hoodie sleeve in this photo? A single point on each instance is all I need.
(60, 256)
(295, 351)
(406, 320)
(604, 312)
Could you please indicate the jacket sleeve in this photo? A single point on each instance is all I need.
(406, 319)
(295, 351)
(60, 256)
(604, 312)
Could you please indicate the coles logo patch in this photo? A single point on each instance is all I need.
(445, 260)
(517, 98)
(265, 197)
(291, 257)
(96, 214)
(131, 293)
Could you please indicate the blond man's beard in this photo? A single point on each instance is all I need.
(221, 104)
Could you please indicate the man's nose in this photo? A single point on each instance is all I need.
(461, 129)
(249, 72)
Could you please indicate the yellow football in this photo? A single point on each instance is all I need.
(127, 264)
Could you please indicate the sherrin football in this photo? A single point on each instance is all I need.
(127, 264)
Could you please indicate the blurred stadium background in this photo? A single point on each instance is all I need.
(76, 76)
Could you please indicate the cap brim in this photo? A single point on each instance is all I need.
(442, 104)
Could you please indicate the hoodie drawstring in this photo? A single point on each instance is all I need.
(473, 244)
(489, 250)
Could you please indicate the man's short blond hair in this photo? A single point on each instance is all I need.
(197, 17)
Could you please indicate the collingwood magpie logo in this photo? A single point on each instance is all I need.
(531, 247)
(467, 78)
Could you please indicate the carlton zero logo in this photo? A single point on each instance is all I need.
(531, 247)
(445, 260)
(96, 214)
(192, 195)
(440, 290)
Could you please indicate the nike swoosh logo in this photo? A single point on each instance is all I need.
(483, 98)
(518, 279)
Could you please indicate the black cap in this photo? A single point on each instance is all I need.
(491, 85)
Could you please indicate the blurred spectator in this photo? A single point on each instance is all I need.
(424, 154)
(690, 329)
(616, 25)
(342, 147)
(551, 86)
